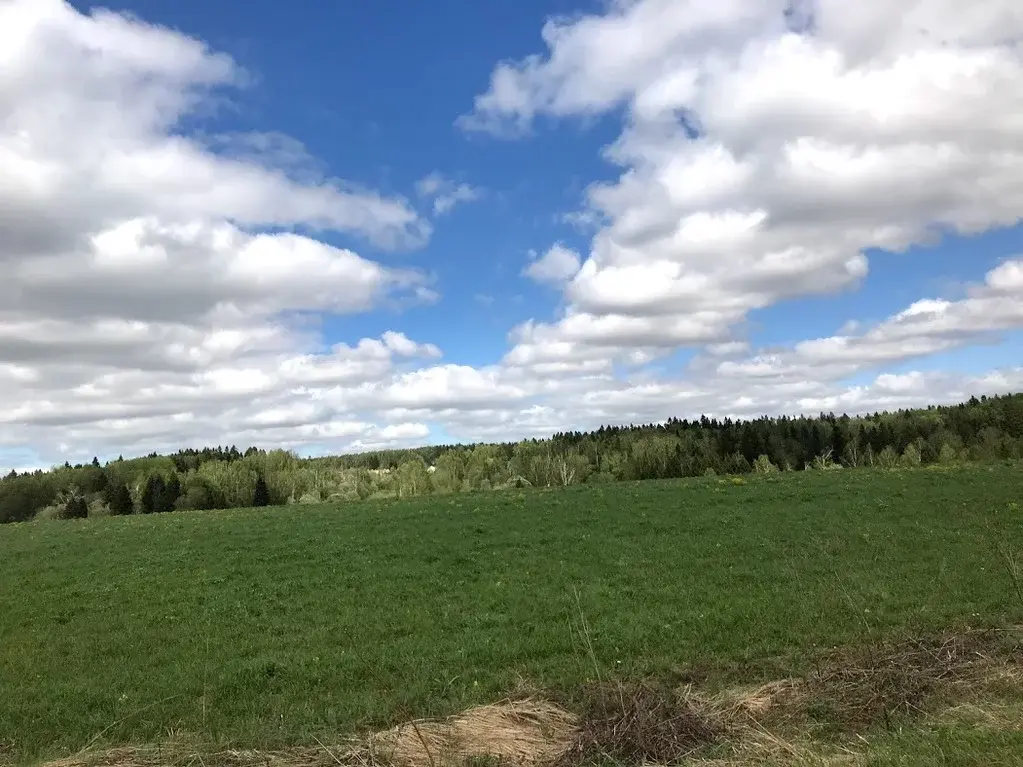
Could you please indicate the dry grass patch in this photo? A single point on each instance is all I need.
(855, 689)
(640, 724)
(516, 732)
(860, 688)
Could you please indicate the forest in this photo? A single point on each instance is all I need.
(980, 430)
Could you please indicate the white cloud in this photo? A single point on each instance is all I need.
(445, 193)
(762, 155)
(926, 327)
(151, 301)
(581, 220)
(557, 266)
(136, 303)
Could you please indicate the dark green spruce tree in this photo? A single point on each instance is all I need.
(118, 498)
(152, 495)
(261, 495)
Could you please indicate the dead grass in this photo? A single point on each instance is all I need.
(951, 678)
(857, 689)
(853, 690)
(513, 732)
(640, 724)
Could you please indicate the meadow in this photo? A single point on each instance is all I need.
(276, 627)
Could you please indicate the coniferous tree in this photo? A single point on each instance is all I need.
(170, 494)
(119, 499)
(152, 495)
(261, 495)
(76, 508)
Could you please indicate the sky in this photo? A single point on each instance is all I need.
(390, 224)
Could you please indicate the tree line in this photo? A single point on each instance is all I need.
(985, 429)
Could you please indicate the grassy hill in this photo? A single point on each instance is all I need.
(277, 627)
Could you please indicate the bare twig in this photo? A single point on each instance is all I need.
(329, 752)
(423, 741)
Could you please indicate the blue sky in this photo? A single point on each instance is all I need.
(373, 91)
(610, 212)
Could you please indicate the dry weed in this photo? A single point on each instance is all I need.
(639, 724)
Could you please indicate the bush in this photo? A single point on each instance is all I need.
(910, 457)
(50, 512)
(75, 507)
(99, 508)
(888, 458)
(197, 493)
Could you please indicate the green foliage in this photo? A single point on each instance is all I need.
(411, 478)
(168, 495)
(224, 626)
(981, 430)
(153, 498)
(261, 494)
(888, 458)
(21, 496)
(236, 481)
(948, 455)
(911, 457)
(486, 465)
(543, 464)
(450, 472)
(119, 499)
(198, 492)
(74, 506)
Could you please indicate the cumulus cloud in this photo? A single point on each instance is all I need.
(444, 193)
(766, 147)
(158, 293)
(144, 295)
(927, 326)
(557, 266)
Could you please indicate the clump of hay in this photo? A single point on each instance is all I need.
(519, 732)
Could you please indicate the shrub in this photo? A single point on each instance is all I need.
(910, 457)
(99, 508)
(197, 493)
(75, 507)
(888, 458)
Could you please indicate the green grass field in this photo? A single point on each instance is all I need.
(268, 628)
